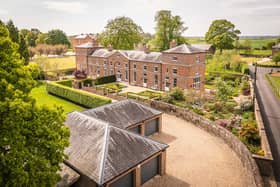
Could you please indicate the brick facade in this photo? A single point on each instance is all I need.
(83, 38)
(182, 66)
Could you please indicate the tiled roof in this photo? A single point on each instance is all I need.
(82, 36)
(68, 176)
(102, 151)
(142, 55)
(204, 47)
(123, 113)
(85, 45)
(277, 46)
(130, 54)
(103, 53)
(184, 49)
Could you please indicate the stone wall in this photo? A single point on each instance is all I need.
(233, 142)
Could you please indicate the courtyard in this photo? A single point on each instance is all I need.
(196, 158)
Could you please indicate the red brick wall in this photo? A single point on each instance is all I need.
(78, 41)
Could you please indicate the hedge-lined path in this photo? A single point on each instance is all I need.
(196, 158)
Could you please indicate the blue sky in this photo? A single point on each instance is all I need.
(252, 17)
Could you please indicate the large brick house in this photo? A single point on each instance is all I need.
(180, 66)
(83, 38)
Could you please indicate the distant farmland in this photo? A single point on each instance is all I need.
(255, 41)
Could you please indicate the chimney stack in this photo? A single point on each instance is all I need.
(110, 47)
(172, 44)
(147, 49)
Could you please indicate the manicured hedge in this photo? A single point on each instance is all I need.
(67, 83)
(77, 96)
(105, 80)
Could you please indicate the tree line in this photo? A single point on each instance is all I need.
(31, 41)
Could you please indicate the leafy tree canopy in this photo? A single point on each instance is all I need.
(168, 28)
(276, 58)
(57, 36)
(32, 139)
(121, 33)
(222, 34)
(13, 31)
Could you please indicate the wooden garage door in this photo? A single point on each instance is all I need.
(149, 170)
(135, 129)
(151, 127)
(125, 181)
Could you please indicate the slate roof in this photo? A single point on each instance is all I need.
(102, 151)
(277, 46)
(184, 49)
(123, 113)
(103, 53)
(204, 47)
(85, 45)
(142, 55)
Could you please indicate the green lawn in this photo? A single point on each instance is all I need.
(43, 98)
(276, 79)
(117, 87)
(55, 63)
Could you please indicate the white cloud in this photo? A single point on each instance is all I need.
(3, 12)
(68, 7)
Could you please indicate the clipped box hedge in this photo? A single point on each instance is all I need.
(67, 83)
(83, 98)
(105, 80)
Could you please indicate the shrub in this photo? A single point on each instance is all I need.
(105, 80)
(177, 94)
(88, 81)
(80, 97)
(198, 111)
(67, 83)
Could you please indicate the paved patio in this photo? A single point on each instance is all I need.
(196, 158)
(135, 89)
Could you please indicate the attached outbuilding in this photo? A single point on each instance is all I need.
(129, 115)
(105, 155)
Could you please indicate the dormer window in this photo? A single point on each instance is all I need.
(174, 58)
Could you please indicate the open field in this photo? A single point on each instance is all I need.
(55, 63)
(43, 98)
(255, 43)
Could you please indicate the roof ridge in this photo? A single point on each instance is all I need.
(105, 151)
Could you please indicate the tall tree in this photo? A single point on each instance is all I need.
(57, 36)
(41, 39)
(121, 33)
(222, 34)
(23, 50)
(32, 139)
(13, 31)
(168, 28)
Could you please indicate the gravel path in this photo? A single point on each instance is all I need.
(196, 158)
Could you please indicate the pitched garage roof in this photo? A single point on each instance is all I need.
(102, 151)
(122, 114)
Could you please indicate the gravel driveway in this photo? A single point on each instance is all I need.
(196, 158)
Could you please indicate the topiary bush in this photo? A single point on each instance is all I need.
(177, 94)
(77, 96)
(105, 80)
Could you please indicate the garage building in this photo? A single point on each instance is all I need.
(105, 155)
(129, 115)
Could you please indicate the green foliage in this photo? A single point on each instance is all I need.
(168, 28)
(32, 139)
(276, 58)
(67, 83)
(121, 33)
(222, 34)
(56, 37)
(105, 80)
(13, 31)
(23, 50)
(177, 94)
(115, 87)
(249, 134)
(150, 94)
(224, 91)
(77, 96)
